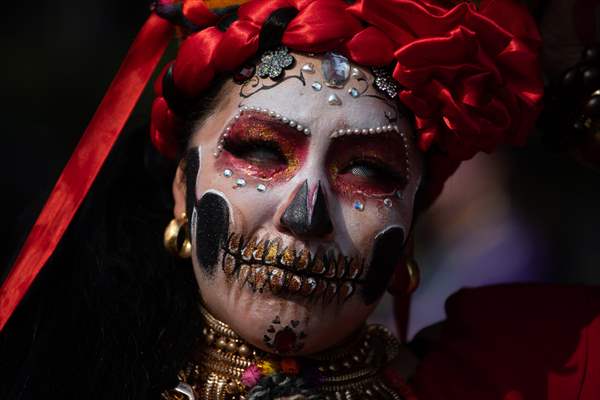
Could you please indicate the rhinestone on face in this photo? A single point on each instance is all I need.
(354, 92)
(227, 173)
(317, 86)
(358, 205)
(334, 100)
(261, 188)
(309, 68)
(388, 203)
(241, 182)
(336, 70)
(357, 73)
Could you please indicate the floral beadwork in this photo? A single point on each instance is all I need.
(268, 378)
(274, 62)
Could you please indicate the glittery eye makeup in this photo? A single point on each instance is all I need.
(264, 147)
(369, 166)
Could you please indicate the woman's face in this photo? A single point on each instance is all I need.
(296, 228)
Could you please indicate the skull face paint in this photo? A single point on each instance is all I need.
(299, 249)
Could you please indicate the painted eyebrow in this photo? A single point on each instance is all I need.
(276, 116)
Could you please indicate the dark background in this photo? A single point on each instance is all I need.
(59, 57)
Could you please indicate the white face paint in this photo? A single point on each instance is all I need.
(311, 189)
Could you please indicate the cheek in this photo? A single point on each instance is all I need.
(378, 233)
(387, 253)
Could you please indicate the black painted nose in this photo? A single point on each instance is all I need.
(308, 217)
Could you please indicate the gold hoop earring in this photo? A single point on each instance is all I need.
(172, 237)
(414, 275)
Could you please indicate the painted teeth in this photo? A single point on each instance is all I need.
(319, 267)
(277, 279)
(308, 286)
(259, 250)
(287, 257)
(229, 265)
(272, 251)
(354, 269)
(294, 283)
(234, 243)
(265, 263)
(261, 276)
(341, 266)
(247, 252)
(332, 267)
(346, 290)
(252, 275)
(303, 259)
(244, 273)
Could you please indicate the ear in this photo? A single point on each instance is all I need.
(179, 190)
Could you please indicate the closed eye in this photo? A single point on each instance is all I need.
(261, 153)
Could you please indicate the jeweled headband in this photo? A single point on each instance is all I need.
(468, 71)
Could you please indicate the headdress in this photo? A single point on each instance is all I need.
(468, 71)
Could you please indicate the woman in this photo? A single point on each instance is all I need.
(308, 136)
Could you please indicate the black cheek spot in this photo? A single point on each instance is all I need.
(387, 253)
(212, 229)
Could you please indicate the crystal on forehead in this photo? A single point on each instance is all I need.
(336, 70)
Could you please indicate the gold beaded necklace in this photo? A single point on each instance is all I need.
(349, 372)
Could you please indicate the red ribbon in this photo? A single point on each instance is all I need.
(86, 161)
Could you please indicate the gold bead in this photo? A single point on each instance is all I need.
(210, 338)
(231, 347)
(221, 343)
(232, 387)
(244, 350)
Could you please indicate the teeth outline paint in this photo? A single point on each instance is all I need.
(266, 264)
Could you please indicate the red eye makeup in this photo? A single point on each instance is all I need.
(264, 145)
(372, 166)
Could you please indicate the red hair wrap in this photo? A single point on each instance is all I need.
(469, 73)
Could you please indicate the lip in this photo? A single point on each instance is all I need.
(265, 264)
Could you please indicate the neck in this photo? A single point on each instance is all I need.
(224, 366)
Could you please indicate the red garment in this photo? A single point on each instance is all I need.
(515, 342)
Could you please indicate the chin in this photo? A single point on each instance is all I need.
(283, 298)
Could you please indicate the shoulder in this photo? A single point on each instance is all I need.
(516, 342)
